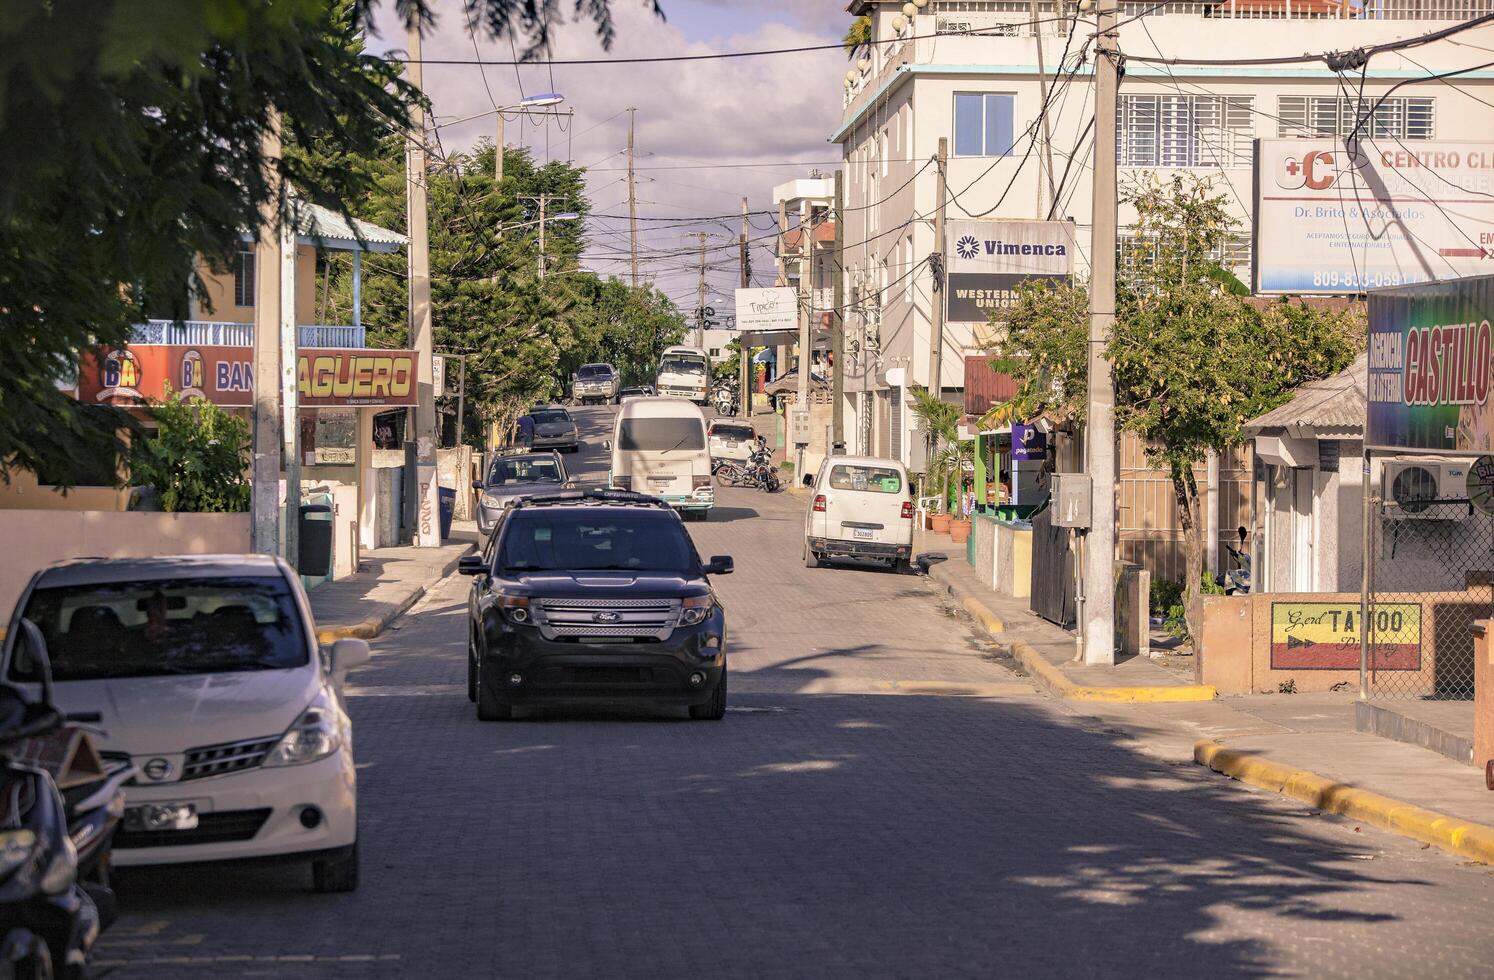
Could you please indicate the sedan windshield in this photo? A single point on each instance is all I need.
(593, 540)
(549, 416)
(518, 470)
(168, 626)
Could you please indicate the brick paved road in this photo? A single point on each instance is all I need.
(808, 834)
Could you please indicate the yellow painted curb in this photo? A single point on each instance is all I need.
(1059, 683)
(364, 629)
(987, 619)
(1461, 837)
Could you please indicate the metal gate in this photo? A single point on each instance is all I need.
(1052, 570)
(1430, 578)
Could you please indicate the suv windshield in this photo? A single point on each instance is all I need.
(523, 469)
(660, 435)
(168, 626)
(541, 416)
(594, 372)
(875, 479)
(593, 539)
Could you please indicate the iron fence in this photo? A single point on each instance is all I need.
(1429, 578)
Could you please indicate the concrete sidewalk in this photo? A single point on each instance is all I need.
(389, 581)
(1304, 746)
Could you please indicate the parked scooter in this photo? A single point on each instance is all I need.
(724, 395)
(1236, 578)
(54, 892)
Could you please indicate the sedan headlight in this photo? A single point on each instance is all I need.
(696, 609)
(16, 848)
(314, 736)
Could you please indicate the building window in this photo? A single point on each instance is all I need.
(243, 279)
(1314, 116)
(1134, 257)
(983, 124)
(1185, 131)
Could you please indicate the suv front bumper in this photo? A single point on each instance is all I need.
(558, 672)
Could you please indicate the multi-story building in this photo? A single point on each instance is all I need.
(1016, 103)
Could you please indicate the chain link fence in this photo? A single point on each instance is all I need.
(1430, 578)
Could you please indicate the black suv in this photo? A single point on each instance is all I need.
(594, 596)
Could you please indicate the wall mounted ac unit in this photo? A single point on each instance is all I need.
(1411, 487)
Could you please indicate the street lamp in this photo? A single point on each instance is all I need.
(541, 101)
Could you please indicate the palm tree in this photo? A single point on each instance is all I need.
(941, 433)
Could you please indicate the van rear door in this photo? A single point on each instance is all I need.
(864, 502)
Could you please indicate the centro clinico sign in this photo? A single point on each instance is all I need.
(1430, 366)
(990, 260)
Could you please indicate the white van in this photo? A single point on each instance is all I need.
(685, 372)
(860, 507)
(659, 448)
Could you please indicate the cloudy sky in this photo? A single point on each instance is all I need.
(707, 132)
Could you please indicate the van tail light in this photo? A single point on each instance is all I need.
(819, 503)
(622, 483)
(907, 514)
(699, 482)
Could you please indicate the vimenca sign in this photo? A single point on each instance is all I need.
(989, 260)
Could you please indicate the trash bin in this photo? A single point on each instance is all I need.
(448, 508)
(314, 558)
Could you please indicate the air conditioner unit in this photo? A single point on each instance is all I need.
(1410, 488)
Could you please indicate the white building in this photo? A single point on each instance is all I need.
(985, 94)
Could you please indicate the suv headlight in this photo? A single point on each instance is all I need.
(488, 500)
(314, 736)
(696, 609)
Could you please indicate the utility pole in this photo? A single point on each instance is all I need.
(780, 360)
(699, 308)
(632, 203)
(806, 335)
(1037, 36)
(1098, 622)
(265, 472)
(838, 322)
(427, 522)
(744, 402)
(936, 263)
(461, 396)
(498, 147)
(290, 432)
(544, 200)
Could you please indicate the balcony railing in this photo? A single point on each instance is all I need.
(207, 333)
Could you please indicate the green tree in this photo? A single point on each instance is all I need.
(1044, 347)
(940, 421)
(130, 139)
(858, 34)
(197, 460)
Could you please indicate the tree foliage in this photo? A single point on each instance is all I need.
(1044, 347)
(858, 34)
(197, 460)
(130, 144)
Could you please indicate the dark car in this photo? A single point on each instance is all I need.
(596, 596)
(514, 475)
(554, 429)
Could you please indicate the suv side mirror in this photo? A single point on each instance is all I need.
(809, 479)
(471, 565)
(720, 565)
(478, 485)
(607, 445)
(348, 653)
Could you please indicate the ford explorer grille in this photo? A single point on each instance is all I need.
(604, 619)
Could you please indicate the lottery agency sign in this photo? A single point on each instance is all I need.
(146, 373)
(1429, 377)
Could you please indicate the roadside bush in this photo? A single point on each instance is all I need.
(1165, 594)
(196, 461)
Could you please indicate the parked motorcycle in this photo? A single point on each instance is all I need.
(1236, 578)
(761, 471)
(724, 397)
(54, 850)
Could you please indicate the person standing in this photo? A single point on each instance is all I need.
(526, 431)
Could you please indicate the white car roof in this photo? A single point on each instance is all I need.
(97, 571)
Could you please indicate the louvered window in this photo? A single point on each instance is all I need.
(1320, 117)
(1185, 131)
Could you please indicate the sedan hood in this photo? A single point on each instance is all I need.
(164, 715)
(553, 428)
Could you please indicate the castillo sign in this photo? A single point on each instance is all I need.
(221, 375)
(333, 377)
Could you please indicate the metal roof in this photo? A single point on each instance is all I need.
(1331, 407)
(316, 225)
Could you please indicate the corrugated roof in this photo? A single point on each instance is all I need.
(325, 225)
(1333, 405)
(985, 387)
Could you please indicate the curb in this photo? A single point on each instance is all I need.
(1051, 677)
(372, 626)
(1451, 834)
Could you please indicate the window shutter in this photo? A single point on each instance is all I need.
(1418, 119)
(1136, 142)
(1291, 112)
(1175, 126)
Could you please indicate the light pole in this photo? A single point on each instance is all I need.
(543, 221)
(542, 101)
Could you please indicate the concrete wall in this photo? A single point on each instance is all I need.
(35, 539)
(22, 492)
(1237, 640)
(1133, 587)
(1013, 560)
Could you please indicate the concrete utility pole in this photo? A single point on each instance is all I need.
(498, 147)
(265, 472)
(936, 329)
(461, 396)
(744, 402)
(1099, 549)
(544, 200)
(289, 402)
(700, 313)
(632, 203)
(1037, 37)
(427, 519)
(780, 358)
(838, 321)
(806, 332)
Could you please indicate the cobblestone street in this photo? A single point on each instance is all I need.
(825, 828)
